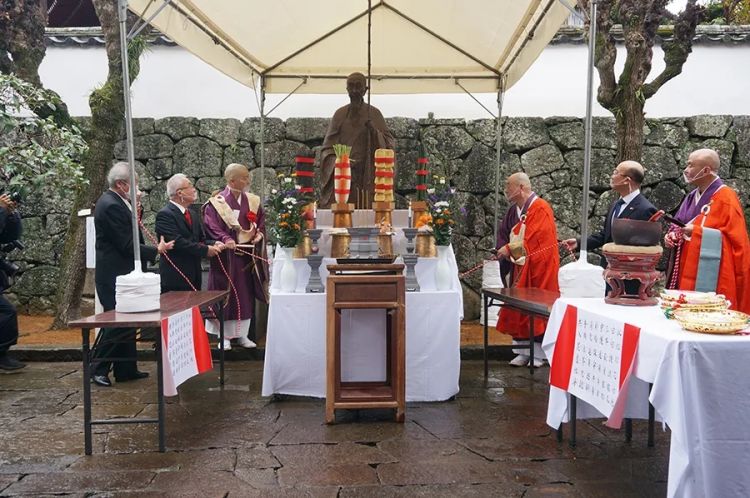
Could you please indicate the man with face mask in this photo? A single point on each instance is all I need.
(235, 218)
(626, 180)
(533, 254)
(114, 256)
(363, 128)
(711, 252)
(175, 221)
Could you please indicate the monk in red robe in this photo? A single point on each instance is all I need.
(535, 259)
(705, 259)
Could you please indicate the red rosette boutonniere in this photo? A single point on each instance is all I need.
(252, 217)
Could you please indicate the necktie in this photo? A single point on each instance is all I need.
(188, 219)
(616, 211)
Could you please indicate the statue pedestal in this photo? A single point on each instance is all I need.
(628, 264)
(342, 215)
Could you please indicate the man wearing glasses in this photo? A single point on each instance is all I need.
(626, 180)
(175, 222)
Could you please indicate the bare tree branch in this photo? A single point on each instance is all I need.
(676, 51)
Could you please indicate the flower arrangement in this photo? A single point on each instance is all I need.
(285, 206)
(440, 217)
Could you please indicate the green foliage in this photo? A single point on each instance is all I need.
(727, 12)
(285, 209)
(35, 151)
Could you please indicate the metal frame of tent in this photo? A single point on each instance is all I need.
(266, 75)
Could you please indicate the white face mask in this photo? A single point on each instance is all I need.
(510, 197)
(696, 177)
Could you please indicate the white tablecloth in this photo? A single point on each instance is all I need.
(295, 358)
(700, 389)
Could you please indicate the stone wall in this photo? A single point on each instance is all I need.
(549, 150)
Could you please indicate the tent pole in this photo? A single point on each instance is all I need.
(498, 149)
(262, 139)
(122, 11)
(587, 133)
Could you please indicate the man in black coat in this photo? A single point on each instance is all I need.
(626, 180)
(176, 222)
(10, 230)
(114, 257)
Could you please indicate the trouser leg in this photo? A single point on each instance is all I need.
(8, 324)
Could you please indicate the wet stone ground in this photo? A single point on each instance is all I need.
(491, 440)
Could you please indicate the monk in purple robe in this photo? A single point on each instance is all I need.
(235, 218)
(362, 127)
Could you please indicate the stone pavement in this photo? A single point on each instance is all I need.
(490, 441)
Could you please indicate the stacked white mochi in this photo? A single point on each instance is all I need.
(137, 291)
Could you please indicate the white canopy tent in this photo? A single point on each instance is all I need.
(404, 46)
(418, 46)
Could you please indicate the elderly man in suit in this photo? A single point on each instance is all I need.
(181, 270)
(626, 180)
(114, 256)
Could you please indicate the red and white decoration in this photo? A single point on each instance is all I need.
(185, 351)
(593, 360)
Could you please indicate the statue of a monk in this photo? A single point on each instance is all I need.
(362, 127)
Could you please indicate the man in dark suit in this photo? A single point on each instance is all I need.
(626, 180)
(181, 269)
(114, 257)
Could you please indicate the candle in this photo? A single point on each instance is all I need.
(409, 217)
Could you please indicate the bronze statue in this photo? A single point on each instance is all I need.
(362, 127)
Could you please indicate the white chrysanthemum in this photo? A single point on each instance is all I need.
(274, 191)
(442, 204)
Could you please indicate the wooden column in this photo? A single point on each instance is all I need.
(381, 287)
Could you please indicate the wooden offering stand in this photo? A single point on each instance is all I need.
(425, 242)
(342, 218)
(384, 216)
(366, 286)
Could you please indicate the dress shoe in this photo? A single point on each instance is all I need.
(134, 376)
(101, 380)
(8, 363)
(246, 343)
(227, 345)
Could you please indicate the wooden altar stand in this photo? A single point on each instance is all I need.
(366, 286)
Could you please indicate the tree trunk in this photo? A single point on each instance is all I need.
(107, 122)
(629, 127)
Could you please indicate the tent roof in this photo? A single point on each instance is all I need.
(418, 46)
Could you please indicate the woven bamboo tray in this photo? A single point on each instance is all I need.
(712, 322)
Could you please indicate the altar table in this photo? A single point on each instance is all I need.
(700, 390)
(295, 356)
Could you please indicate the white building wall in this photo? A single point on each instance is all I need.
(173, 82)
